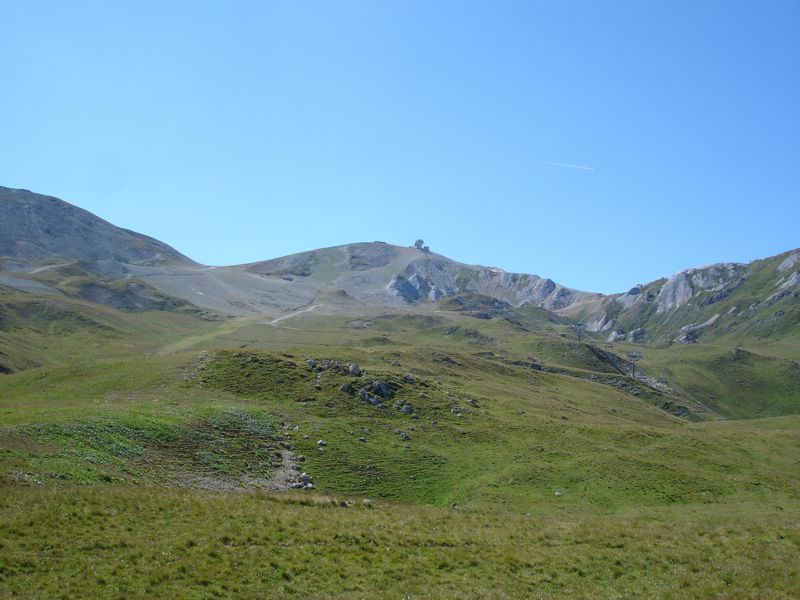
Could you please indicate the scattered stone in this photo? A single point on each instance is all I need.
(473, 402)
(367, 503)
(363, 440)
(305, 478)
(406, 409)
(403, 435)
(305, 437)
(354, 370)
(396, 363)
(382, 389)
(446, 359)
(309, 486)
(301, 458)
(347, 388)
(322, 443)
(311, 363)
(560, 492)
(369, 398)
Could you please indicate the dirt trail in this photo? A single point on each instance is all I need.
(286, 474)
(292, 314)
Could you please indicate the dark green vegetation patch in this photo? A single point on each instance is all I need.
(220, 449)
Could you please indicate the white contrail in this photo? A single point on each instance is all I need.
(560, 164)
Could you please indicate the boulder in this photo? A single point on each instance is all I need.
(354, 370)
(369, 398)
(382, 389)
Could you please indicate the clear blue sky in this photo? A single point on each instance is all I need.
(239, 131)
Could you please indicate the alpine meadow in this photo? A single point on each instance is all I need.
(284, 391)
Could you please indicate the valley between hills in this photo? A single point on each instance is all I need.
(373, 420)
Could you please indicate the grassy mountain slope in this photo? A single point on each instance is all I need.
(521, 467)
(150, 448)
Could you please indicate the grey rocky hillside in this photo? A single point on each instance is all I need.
(37, 231)
(36, 227)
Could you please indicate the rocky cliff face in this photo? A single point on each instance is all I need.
(433, 278)
(719, 298)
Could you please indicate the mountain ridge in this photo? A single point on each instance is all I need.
(368, 276)
(36, 227)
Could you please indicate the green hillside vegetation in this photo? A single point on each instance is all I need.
(138, 448)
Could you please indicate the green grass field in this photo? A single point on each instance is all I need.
(136, 451)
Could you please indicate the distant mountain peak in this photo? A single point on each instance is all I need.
(38, 227)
